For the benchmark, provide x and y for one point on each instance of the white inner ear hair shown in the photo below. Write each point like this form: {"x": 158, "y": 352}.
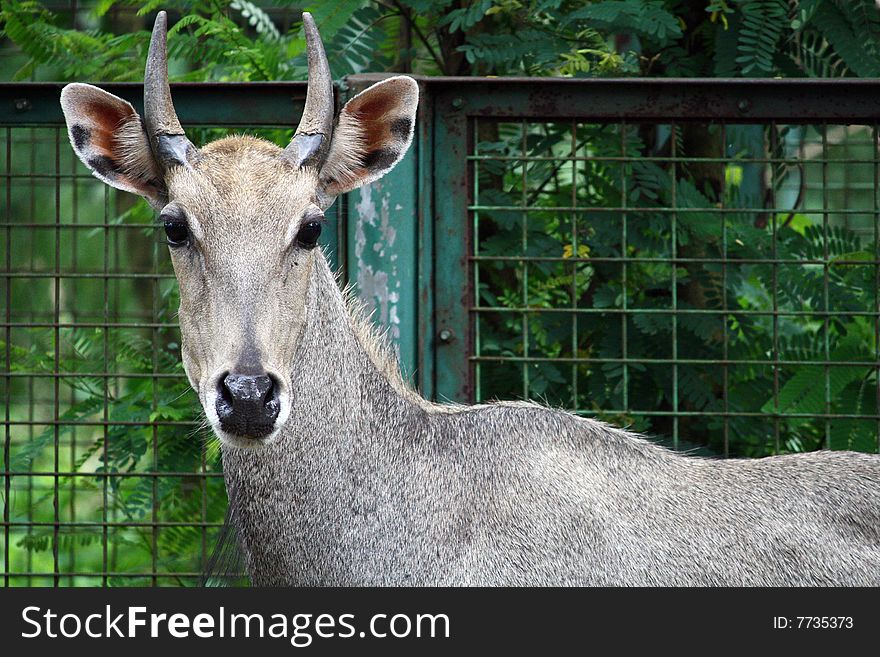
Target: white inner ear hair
{"x": 133, "y": 154}
{"x": 341, "y": 170}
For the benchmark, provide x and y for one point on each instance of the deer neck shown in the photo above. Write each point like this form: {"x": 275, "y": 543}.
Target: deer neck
{"x": 349, "y": 418}
{"x": 341, "y": 363}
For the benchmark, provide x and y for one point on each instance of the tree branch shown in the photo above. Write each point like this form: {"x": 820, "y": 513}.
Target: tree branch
{"x": 415, "y": 28}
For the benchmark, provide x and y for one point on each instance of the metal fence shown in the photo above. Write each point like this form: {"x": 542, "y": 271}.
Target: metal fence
{"x": 697, "y": 259}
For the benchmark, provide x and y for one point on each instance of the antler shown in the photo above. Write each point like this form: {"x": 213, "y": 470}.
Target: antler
{"x": 167, "y": 139}
{"x": 311, "y": 142}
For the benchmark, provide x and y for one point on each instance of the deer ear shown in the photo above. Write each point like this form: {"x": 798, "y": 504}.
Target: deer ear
{"x": 374, "y": 131}
{"x": 109, "y": 137}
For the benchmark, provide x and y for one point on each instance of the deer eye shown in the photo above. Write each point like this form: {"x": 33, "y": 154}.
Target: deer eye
{"x": 176, "y": 231}
{"x": 308, "y": 234}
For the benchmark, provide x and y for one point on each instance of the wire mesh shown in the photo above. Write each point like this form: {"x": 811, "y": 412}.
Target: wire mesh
{"x": 712, "y": 284}
{"x": 109, "y": 476}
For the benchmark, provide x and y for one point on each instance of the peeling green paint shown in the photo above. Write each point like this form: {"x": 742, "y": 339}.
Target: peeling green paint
{"x": 382, "y": 256}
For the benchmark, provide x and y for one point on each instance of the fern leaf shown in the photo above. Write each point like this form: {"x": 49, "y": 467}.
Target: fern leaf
{"x": 762, "y": 24}
{"x": 332, "y": 16}
{"x": 465, "y": 18}
{"x": 356, "y": 47}
{"x": 646, "y": 18}
{"x": 805, "y": 391}
{"x": 815, "y": 57}
{"x": 147, "y": 7}
{"x": 860, "y": 55}
{"x": 258, "y": 19}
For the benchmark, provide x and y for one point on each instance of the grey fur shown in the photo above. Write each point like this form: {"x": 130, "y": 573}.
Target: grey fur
{"x": 366, "y": 485}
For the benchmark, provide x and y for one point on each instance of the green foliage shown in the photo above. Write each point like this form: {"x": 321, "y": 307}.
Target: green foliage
{"x": 148, "y": 430}
{"x": 358, "y": 47}
{"x": 815, "y": 56}
{"x": 242, "y": 40}
{"x": 647, "y": 18}
{"x": 74, "y": 54}
{"x": 823, "y": 38}
{"x": 701, "y": 329}
{"x": 853, "y": 34}
{"x": 762, "y": 24}
{"x": 465, "y": 18}
{"x": 529, "y": 48}
{"x": 258, "y": 19}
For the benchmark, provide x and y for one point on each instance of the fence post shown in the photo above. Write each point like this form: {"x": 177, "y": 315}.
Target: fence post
{"x": 452, "y": 245}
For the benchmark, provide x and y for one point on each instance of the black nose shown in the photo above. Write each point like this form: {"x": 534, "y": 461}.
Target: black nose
{"x": 247, "y": 405}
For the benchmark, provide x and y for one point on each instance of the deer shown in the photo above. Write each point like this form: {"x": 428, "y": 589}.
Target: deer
{"x": 338, "y": 473}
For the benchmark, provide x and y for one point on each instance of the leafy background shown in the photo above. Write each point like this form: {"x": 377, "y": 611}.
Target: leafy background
{"x": 111, "y": 429}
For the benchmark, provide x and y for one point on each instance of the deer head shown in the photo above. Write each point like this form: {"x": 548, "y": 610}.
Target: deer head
{"x": 242, "y": 219}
